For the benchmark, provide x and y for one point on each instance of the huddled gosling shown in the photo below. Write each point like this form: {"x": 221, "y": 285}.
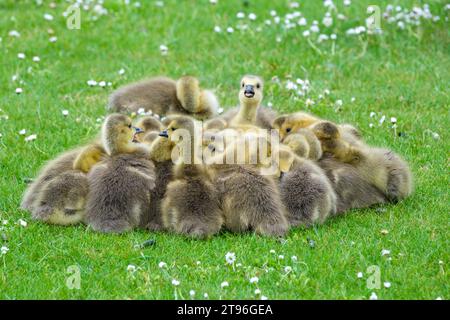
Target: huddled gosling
{"x": 250, "y": 111}
{"x": 190, "y": 205}
{"x": 305, "y": 190}
{"x": 58, "y": 194}
{"x": 120, "y": 186}
{"x": 165, "y": 96}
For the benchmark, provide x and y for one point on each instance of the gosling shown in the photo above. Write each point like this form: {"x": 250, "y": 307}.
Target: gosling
{"x": 120, "y": 186}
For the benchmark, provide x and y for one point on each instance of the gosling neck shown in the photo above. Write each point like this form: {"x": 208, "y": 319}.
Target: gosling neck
{"x": 247, "y": 111}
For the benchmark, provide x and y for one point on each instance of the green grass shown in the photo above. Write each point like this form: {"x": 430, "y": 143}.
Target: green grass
{"x": 402, "y": 74}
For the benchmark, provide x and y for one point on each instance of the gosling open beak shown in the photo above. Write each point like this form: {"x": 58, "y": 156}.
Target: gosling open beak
{"x": 249, "y": 91}
{"x": 164, "y": 134}
{"x": 137, "y": 131}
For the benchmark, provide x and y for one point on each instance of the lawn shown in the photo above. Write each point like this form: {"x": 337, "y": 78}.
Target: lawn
{"x": 355, "y": 78}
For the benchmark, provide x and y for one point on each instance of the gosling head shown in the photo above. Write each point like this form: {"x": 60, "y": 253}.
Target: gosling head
{"x": 117, "y": 133}
{"x": 287, "y": 124}
{"x": 251, "y": 92}
{"x": 149, "y": 126}
{"x": 186, "y": 123}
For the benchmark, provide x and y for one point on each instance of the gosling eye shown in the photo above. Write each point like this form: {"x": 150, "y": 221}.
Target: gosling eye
{"x": 258, "y": 85}
{"x": 288, "y": 130}
{"x": 173, "y": 129}
{"x": 129, "y": 126}
{"x": 243, "y": 84}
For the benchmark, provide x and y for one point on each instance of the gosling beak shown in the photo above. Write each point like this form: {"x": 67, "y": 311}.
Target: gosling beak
{"x": 138, "y": 130}
{"x": 164, "y": 134}
{"x": 249, "y": 91}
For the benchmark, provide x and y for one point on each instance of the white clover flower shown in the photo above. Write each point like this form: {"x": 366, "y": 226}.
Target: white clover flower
{"x": 314, "y": 28}
{"x": 192, "y": 293}
{"x": 14, "y": 33}
{"x": 36, "y": 59}
{"x": 21, "y": 55}
{"x": 333, "y": 36}
{"x": 65, "y": 113}
{"x": 435, "y": 136}
{"x": 252, "y": 16}
{"x": 273, "y": 13}
{"x": 240, "y": 15}
{"x": 238, "y": 265}
{"x": 272, "y": 251}
{"x": 230, "y": 257}
{"x": 372, "y": 114}
{"x": 224, "y": 284}
{"x": 280, "y": 257}
{"x": 217, "y": 29}
{"x": 4, "y": 250}
{"x": 92, "y": 83}
{"x": 48, "y": 17}
{"x": 121, "y": 71}
{"x": 339, "y": 103}
{"x": 373, "y": 296}
{"x": 383, "y": 118}
{"x": 131, "y": 268}
{"x": 439, "y": 298}
{"x": 328, "y": 4}
{"x": 162, "y": 264}
{"x": 254, "y": 280}
{"x": 322, "y": 37}
{"x": 19, "y": 90}
{"x": 175, "y": 282}
{"x": 22, "y": 132}
{"x": 326, "y": 92}
{"x": 205, "y": 295}
{"x": 309, "y": 102}
{"x": 102, "y": 84}
{"x": 294, "y": 258}
{"x": 257, "y": 292}
{"x": 387, "y": 284}
{"x": 359, "y": 275}
{"x": 53, "y": 39}
{"x": 163, "y": 49}
{"x": 291, "y": 85}
{"x": 264, "y": 298}
{"x": 327, "y": 21}
{"x": 393, "y": 120}
{"x": 302, "y": 22}
{"x": 230, "y": 30}
{"x": 30, "y": 138}
{"x": 347, "y": 2}
{"x": 198, "y": 263}
{"x": 287, "y": 269}
{"x": 306, "y": 33}
{"x": 213, "y": 1}
{"x": 159, "y": 3}
{"x": 385, "y": 252}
